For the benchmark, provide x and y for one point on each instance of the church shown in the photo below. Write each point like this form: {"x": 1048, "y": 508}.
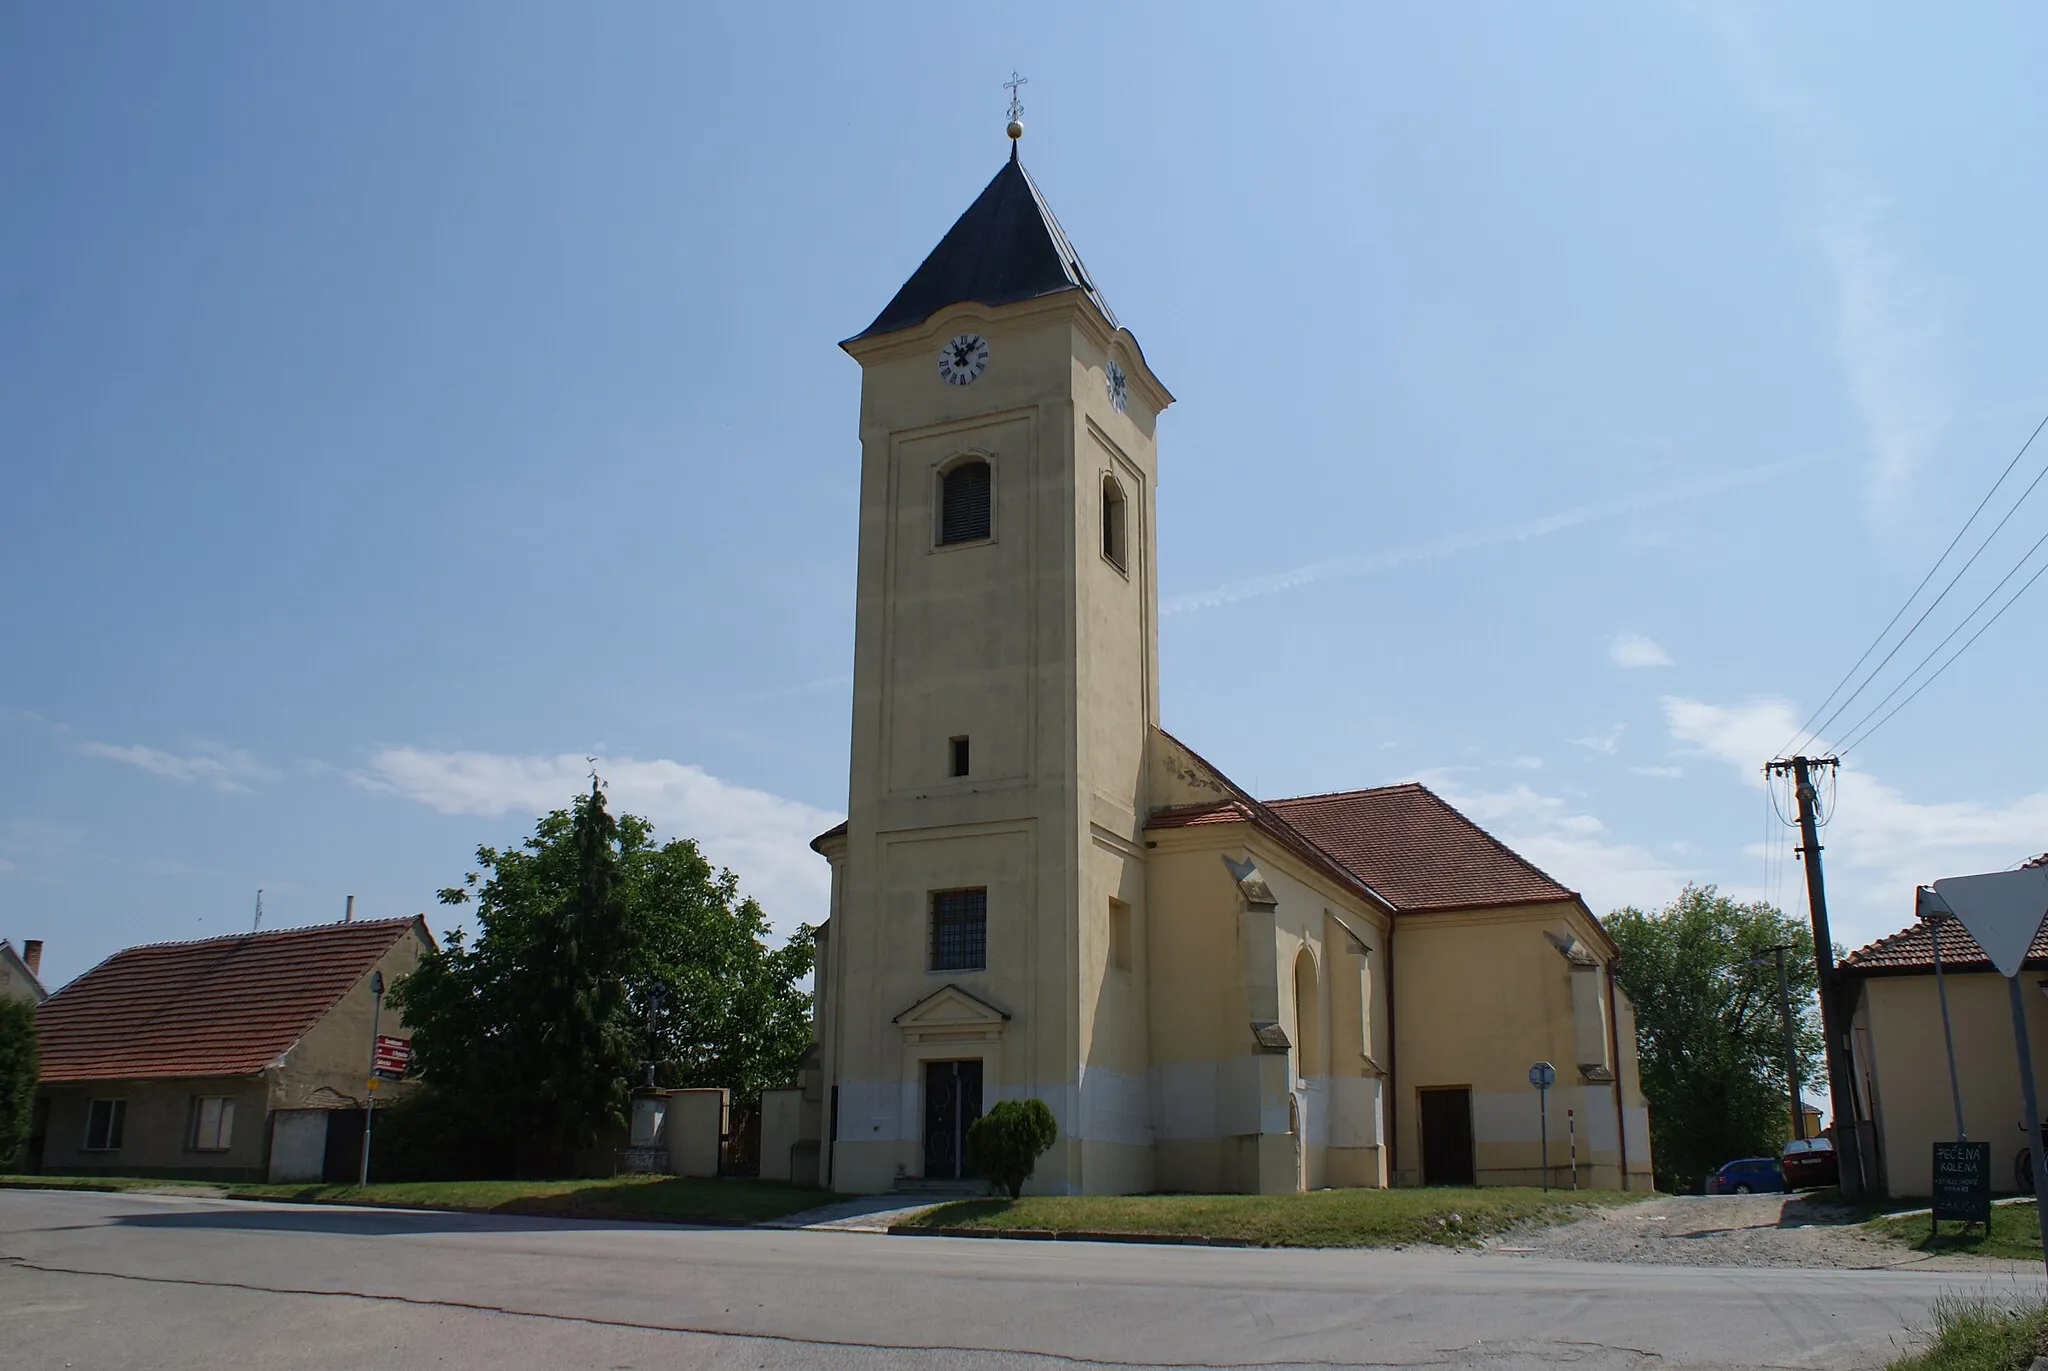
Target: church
{"x": 1038, "y": 891}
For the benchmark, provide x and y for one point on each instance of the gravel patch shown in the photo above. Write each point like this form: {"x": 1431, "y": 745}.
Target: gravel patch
{"x": 1729, "y": 1230}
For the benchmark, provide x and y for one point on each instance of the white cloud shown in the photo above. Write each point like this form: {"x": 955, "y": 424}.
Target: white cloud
{"x": 763, "y": 837}
{"x": 1880, "y": 843}
{"x": 1633, "y": 650}
{"x": 225, "y": 769}
{"x": 1605, "y": 743}
{"x": 1891, "y": 329}
{"x": 1664, "y": 772}
{"x": 1543, "y": 526}
{"x": 1575, "y": 847}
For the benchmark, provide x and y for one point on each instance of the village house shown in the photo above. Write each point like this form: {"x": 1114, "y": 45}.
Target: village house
{"x": 1038, "y": 891}
{"x": 237, "y": 1058}
{"x": 21, "y": 972}
{"x": 1900, "y": 1060}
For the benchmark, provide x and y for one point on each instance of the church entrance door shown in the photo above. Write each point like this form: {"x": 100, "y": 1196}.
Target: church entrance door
{"x": 1447, "y": 1136}
{"x": 952, "y": 1101}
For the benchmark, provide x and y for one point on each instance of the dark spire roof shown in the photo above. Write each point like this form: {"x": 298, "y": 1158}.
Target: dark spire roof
{"x": 1006, "y": 248}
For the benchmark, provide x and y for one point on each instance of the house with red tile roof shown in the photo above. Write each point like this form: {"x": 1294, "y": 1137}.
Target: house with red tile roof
{"x": 1039, "y": 892}
{"x": 236, "y": 1058}
{"x": 21, "y": 972}
{"x": 1900, "y": 1056}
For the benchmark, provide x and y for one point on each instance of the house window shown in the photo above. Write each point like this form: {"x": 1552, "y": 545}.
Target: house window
{"x": 964, "y": 503}
{"x": 1119, "y": 935}
{"x": 103, "y": 1123}
{"x": 213, "y": 1123}
{"x": 959, "y": 930}
{"x": 957, "y": 748}
{"x": 1114, "y": 523}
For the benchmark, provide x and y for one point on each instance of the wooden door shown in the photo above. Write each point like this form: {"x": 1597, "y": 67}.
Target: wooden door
{"x": 1447, "y": 1136}
{"x": 952, "y": 1101}
{"x": 342, "y": 1163}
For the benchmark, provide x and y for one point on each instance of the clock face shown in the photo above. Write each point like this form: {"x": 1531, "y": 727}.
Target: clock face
{"x": 1119, "y": 386}
{"x": 963, "y": 359}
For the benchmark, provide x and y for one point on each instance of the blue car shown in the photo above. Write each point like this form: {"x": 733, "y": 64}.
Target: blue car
{"x": 1746, "y": 1175}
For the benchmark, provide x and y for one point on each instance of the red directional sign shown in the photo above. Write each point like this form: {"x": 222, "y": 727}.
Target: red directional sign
{"x": 393, "y": 1055}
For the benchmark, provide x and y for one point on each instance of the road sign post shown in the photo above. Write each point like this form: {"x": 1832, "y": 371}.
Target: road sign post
{"x": 1542, "y": 1075}
{"x": 370, "y": 1104}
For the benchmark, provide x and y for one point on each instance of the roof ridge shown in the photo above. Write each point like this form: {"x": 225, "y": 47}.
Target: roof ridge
{"x": 1347, "y": 794}
{"x": 265, "y": 933}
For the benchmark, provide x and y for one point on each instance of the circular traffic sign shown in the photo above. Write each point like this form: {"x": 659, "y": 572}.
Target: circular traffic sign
{"x": 1542, "y": 1074}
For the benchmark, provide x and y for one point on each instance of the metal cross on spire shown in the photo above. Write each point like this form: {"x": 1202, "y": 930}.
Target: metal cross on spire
{"x": 1016, "y": 128}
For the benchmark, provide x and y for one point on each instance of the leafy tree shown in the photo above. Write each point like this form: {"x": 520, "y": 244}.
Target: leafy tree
{"x": 1708, "y": 1028}
{"x": 19, "y": 1070}
{"x": 1004, "y": 1145}
{"x": 590, "y": 937}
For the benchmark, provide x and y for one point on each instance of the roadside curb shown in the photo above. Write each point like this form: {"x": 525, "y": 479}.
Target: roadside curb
{"x": 905, "y": 1230}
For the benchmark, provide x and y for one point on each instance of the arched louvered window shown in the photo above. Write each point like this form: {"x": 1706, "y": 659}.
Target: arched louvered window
{"x": 1114, "y": 523}
{"x": 964, "y": 503}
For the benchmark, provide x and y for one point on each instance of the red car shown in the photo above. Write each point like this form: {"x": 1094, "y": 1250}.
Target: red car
{"x": 1808, "y": 1162}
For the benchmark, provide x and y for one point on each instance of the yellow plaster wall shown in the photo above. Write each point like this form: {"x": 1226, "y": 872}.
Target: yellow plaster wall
{"x": 1481, "y": 996}
{"x": 1900, "y": 1056}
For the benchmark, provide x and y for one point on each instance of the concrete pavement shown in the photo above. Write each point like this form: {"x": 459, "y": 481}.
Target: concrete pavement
{"x": 98, "y": 1280}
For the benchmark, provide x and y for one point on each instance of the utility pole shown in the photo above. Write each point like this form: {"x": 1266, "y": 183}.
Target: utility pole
{"x": 1791, "y": 1047}
{"x": 1841, "y": 1084}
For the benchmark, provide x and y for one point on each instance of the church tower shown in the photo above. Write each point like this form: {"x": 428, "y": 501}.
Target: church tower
{"x": 987, "y": 938}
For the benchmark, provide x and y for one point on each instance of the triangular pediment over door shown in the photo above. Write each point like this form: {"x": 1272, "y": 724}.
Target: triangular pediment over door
{"x": 950, "y": 1012}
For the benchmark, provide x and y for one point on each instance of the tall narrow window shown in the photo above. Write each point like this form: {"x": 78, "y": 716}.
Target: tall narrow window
{"x": 957, "y": 747}
{"x": 964, "y": 503}
{"x": 1114, "y": 523}
{"x": 959, "y": 930}
{"x": 103, "y": 1125}
{"x": 1119, "y": 935}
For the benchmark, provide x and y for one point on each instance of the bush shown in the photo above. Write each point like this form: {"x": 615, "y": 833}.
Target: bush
{"x": 19, "y": 1070}
{"x": 1004, "y": 1144}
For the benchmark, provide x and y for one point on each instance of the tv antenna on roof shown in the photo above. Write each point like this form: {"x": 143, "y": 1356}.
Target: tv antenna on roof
{"x": 259, "y": 911}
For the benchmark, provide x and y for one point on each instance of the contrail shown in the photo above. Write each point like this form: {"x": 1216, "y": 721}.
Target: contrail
{"x": 1576, "y": 517}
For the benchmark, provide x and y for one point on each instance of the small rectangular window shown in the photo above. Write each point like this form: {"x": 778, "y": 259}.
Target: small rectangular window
{"x": 1119, "y": 935}
{"x": 958, "y": 750}
{"x": 213, "y": 1123}
{"x": 103, "y": 1124}
{"x": 959, "y": 930}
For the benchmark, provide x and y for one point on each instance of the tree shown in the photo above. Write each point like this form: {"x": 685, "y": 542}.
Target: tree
{"x": 1004, "y": 1145}
{"x": 19, "y": 1070}
{"x": 529, "y": 1038}
{"x": 1708, "y": 1029}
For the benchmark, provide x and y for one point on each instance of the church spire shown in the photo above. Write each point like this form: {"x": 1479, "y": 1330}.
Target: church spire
{"x": 1007, "y": 247}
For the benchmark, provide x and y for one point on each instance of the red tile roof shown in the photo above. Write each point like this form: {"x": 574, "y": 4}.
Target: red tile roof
{"x": 220, "y": 1007}
{"x": 1912, "y": 949}
{"x": 1416, "y": 850}
{"x": 1400, "y": 844}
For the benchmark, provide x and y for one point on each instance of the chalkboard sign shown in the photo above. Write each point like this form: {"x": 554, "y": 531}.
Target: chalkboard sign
{"x": 1962, "y": 1181}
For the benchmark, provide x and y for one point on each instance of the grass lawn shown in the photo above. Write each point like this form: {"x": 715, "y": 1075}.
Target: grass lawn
{"x": 2015, "y": 1232}
{"x": 670, "y": 1199}
{"x": 1322, "y": 1218}
{"x": 1981, "y": 1335}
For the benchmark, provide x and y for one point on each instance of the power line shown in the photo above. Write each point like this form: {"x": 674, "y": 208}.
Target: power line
{"x": 1964, "y": 623}
{"x": 1854, "y": 741}
{"x": 1936, "y": 602}
{"x": 1807, "y": 731}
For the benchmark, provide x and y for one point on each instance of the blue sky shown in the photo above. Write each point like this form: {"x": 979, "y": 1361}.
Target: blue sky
{"x": 399, "y": 404}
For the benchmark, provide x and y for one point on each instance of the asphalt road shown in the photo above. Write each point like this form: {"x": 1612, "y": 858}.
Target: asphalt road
{"x": 132, "y": 1282}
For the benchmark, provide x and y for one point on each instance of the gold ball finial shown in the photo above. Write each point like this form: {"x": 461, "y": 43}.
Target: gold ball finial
{"x": 1016, "y": 129}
